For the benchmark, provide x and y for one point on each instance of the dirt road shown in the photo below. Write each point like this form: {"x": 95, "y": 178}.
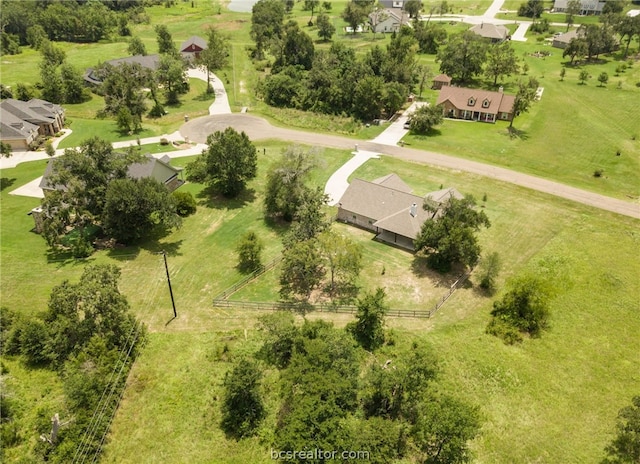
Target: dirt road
{"x": 259, "y": 129}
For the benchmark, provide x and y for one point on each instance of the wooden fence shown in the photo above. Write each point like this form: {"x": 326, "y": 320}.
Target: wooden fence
{"x": 254, "y": 275}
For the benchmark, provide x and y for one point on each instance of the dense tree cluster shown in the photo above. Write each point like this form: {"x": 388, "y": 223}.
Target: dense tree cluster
{"x": 334, "y": 398}
{"x": 625, "y": 447}
{"x": 87, "y": 335}
{"x": 71, "y": 21}
{"x": 95, "y": 190}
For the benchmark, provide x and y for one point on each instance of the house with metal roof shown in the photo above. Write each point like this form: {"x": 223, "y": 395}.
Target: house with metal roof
{"x": 387, "y": 207}
{"x": 475, "y": 104}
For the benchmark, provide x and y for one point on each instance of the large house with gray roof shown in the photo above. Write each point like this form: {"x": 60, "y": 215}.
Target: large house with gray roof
{"x": 22, "y": 122}
{"x": 387, "y": 207}
{"x": 587, "y": 7}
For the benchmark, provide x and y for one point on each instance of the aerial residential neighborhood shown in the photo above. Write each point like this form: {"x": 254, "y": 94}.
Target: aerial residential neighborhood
{"x": 315, "y": 231}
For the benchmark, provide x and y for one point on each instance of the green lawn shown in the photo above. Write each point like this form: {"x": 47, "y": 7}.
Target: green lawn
{"x": 551, "y": 399}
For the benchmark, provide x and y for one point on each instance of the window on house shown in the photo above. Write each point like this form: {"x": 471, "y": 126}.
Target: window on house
{"x": 472, "y": 101}
{"x": 485, "y": 103}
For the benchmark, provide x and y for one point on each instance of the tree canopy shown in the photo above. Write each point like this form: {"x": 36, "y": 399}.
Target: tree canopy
{"x": 450, "y": 237}
{"x": 368, "y": 329}
{"x": 227, "y": 164}
{"x": 625, "y": 447}
{"x": 463, "y": 56}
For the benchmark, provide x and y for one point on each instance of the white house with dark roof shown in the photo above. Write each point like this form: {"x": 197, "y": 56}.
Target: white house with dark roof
{"x": 387, "y": 207}
{"x": 388, "y": 20}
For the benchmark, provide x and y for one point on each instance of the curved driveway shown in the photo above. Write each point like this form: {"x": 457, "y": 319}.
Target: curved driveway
{"x": 259, "y": 129}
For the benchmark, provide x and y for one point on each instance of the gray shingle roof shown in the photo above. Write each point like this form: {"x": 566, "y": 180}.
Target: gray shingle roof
{"x": 490, "y": 31}
{"x": 12, "y": 127}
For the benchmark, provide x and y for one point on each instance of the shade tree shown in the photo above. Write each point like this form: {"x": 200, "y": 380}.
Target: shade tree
{"x": 501, "y": 61}
{"x": 368, "y": 328}
{"x": 625, "y": 446}
{"x": 267, "y": 17}
{"x": 463, "y": 56}
{"x": 249, "y": 249}
{"x": 216, "y": 55}
{"x": 227, "y": 164}
{"x": 451, "y": 236}
{"x": 326, "y": 29}
{"x": 524, "y": 98}
{"x": 242, "y": 406}
{"x": 424, "y": 118}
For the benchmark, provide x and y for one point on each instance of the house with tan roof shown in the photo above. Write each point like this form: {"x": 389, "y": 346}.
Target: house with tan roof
{"x": 491, "y": 32}
{"x": 562, "y": 41}
{"x": 387, "y": 207}
{"x": 476, "y": 104}
{"x": 441, "y": 80}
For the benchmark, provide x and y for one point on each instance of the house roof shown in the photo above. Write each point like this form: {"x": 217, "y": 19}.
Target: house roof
{"x": 12, "y": 127}
{"x": 146, "y": 61}
{"x": 397, "y": 211}
{"x": 568, "y": 36}
{"x": 590, "y": 5}
{"x": 159, "y": 169}
{"x": 396, "y": 15}
{"x": 35, "y": 111}
{"x": 442, "y": 78}
{"x": 473, "y": 99}
{"x": 194, "y": 40}
{"x": 393, "y": 181}
{"x": 490, "y": 31}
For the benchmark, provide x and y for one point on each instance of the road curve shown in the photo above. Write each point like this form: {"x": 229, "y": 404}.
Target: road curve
{"x": 259, "y": 129}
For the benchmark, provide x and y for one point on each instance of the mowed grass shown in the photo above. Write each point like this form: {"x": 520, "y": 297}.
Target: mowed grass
{"x": 552, "y": 399}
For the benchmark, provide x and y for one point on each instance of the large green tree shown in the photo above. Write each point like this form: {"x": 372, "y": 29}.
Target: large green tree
{"x": 524, "y": 98}
{"x": 123, "y": 88}
{"x": 135, "y": 207}
{"x": 326, "y": 29}
{"x": 166, "y": 46}
{"x": 625, "y": 447}
{"x": 227, "y": 164}
{"x": 266, "y": 24}
{"x": 425, "y": 117}
{"x": 302, "y": 271}
{"x": 171, "y": 73}
{"x": 242, "y": 405}
{"x": 249, "y": 249}
{"x": 216, "y": 55}
{"x": 136, "y": 46}
{"x": 286, "y": 181}
{"x": 368, "y": 328}
{"x": 501, "y": 61}
{"x": 356, "y": 12}
{"x": 295, "y": 48}
{"x": 343, "y": 263}
{"x": 450, "y": 236}
{"x": 463, "y": 56}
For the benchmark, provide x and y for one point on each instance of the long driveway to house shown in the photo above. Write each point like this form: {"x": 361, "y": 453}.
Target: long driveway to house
{"x": 259, "y": 129}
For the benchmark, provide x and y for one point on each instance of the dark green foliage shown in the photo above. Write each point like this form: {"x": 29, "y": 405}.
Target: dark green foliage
{"x": 443, "y": 428}
{"x": 501, "y": 61}
{"x": 33, "y": 341}
{"x": 302, "y": 270}
{"x": 286, "y": 179}
{"x": 430, "y": 36}
{"x": 355, "y": 13}
{"x": 227, "y": 164}
{"x": 74, "y": 90}
{"x": 319, "y": 388}
{"x": 625, "y": 447}
{"x": 242, "y": 407}
{"x": 35, "y": 36}
{"x": 463, "y": 56}
{"x": 531, "y": 9}
{"x": 172, "y": 75}
{"x": 282, "y": 89}
{"x": 424, "y": 118}
{"x": 185, "y": 203}
{"x": 310, "y": 219}
{"x": 135, "y": 207}
{"x": 122, "y": 88}
{"x": 603, "y": 78}
{"x": 136, "y": 46}
{"x": 524, "y": 307}
{"x": 165, "y": 41}
{"x": 216, "y": 55}
{"x": 451, "y": 237}
{"x": 5, "y": 92}
{"x": 249, "y": 249}
{"x": 488, "y": 272}
{"x": 279, "y": 336}
{"x": 383, "y": 439}
{"x": 343, "y": 263}
{"x": 9, "y": 44}
{"x": 368, "y": 329}
{"x": 326, "y": 29}
{"x": 266, "y": 24}
{"x": 296, "y": 49}
{"x": 369, "y": 94}
{"x": 92, "y": 307}
{"x": 5, "y": 150}
{"x": 540, "y": 27}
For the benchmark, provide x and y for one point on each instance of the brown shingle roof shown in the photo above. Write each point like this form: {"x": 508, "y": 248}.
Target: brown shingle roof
{"x": 195, "y": 40}
{"x": 473, "y": 99}
{"x": 442, "y": 78}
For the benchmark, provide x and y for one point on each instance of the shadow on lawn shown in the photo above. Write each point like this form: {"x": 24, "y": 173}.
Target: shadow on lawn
{"x": 421, "y": 269}
{"x": 514, "y": 133}
{"x": 211, "y": 199}
{"x": 6, "y": 182}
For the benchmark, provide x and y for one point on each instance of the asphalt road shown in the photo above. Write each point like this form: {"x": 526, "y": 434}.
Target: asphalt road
{"x": 259, "y": 129}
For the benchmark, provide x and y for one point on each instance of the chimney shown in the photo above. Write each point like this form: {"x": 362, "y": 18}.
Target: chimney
{"x": 413, "y": 211}
{"x": 501, "y": 89}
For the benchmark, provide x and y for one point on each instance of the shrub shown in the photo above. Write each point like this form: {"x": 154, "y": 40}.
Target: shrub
{"x": 82, "y": 248}
{"x": 598, "y": 173}
{"x": 501, "y": 329}
{"x": 164, "y": 141}
{"x": 185, "y": 203}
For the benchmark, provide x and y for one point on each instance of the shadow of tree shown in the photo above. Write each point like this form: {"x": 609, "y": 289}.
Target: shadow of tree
{"x": 515, "y": 133}
{"x": 209, "y": 198}
{"x": 277, "y": 225}
{"x": 5, "y": 182}
{"x": 420, "y": 268}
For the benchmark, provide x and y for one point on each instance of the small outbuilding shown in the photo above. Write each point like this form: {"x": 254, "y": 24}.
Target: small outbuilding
{"x": 441, "y": 80}
{"x": 191, "y": 48}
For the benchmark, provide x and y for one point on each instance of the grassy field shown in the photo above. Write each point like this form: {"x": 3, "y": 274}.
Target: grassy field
{"x": 553, "y": 397}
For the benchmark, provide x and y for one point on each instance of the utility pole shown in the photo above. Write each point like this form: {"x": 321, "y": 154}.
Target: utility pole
{"x": 166, "y": 267}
